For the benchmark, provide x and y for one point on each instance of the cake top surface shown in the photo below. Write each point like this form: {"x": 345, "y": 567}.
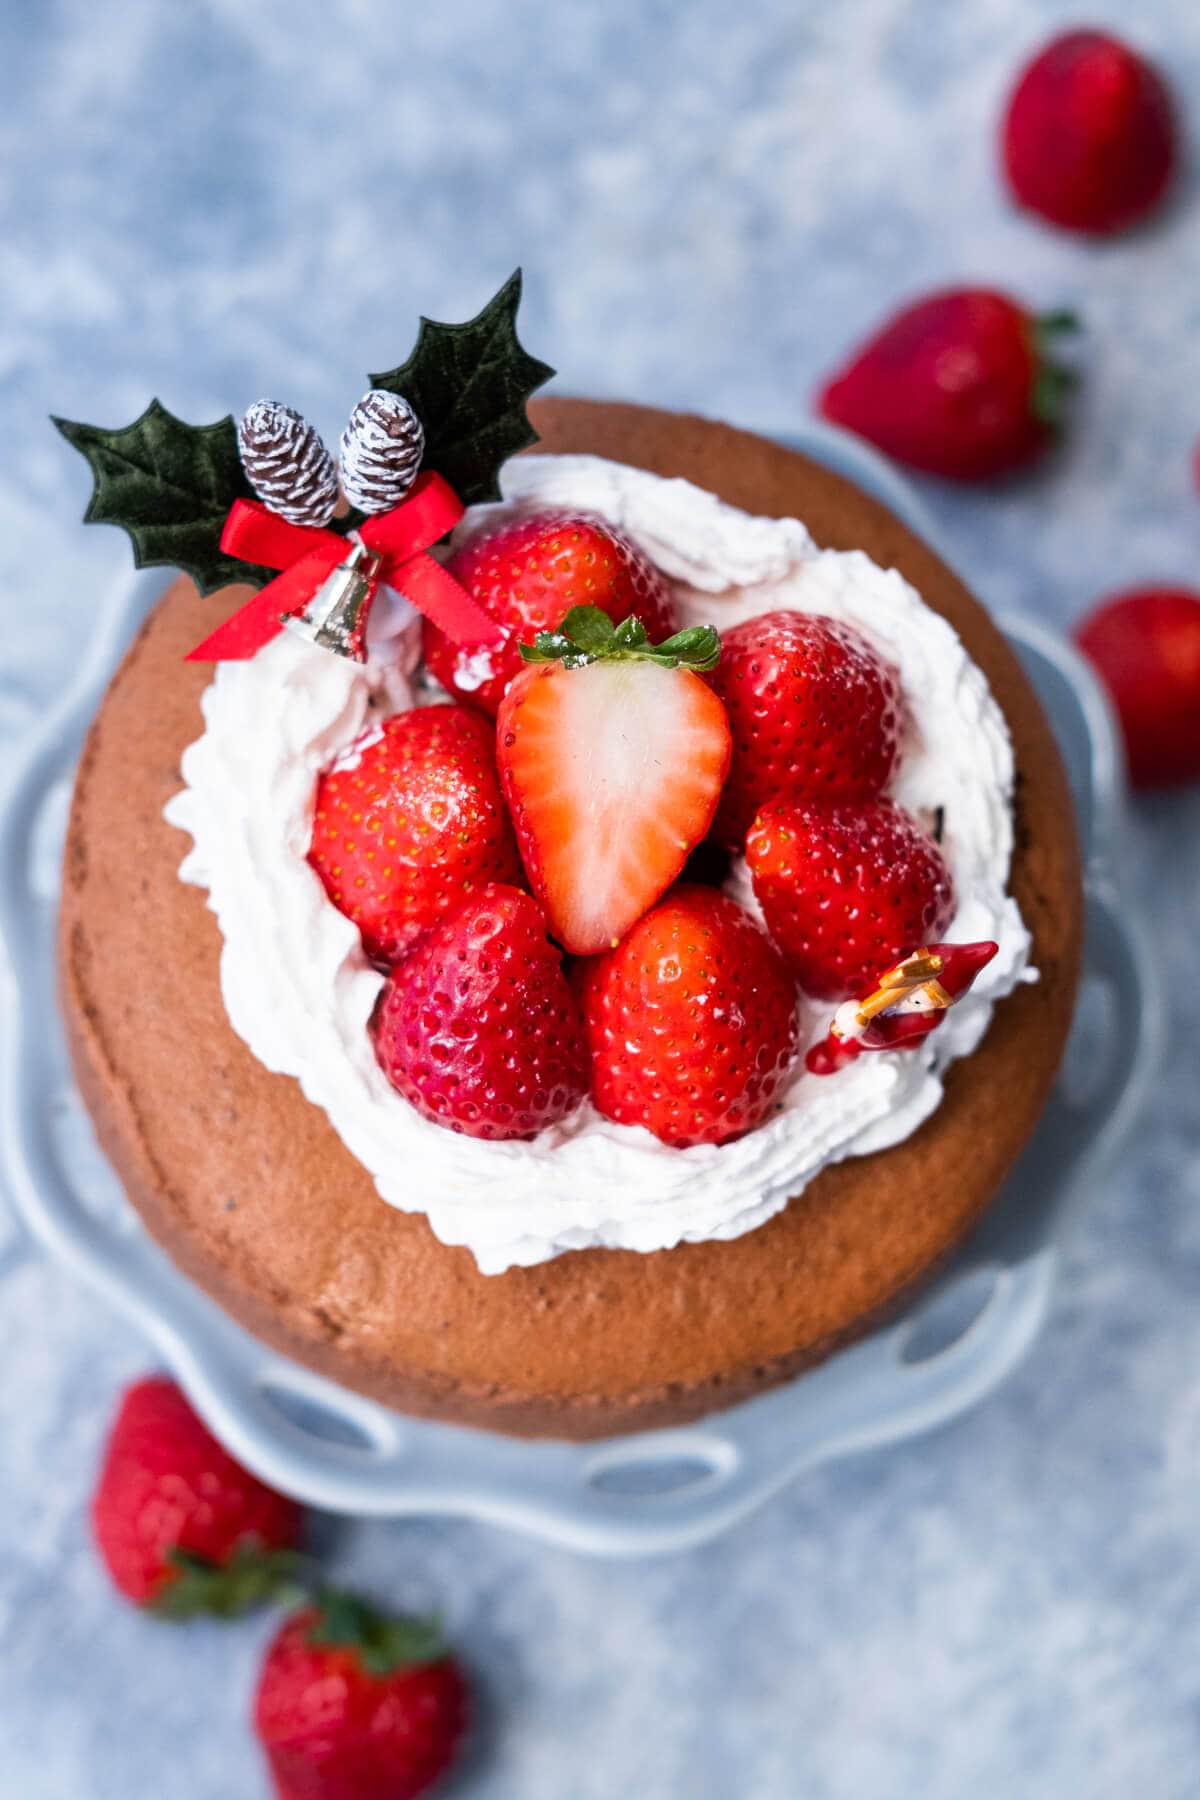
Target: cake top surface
{"x": 710, "y": 906}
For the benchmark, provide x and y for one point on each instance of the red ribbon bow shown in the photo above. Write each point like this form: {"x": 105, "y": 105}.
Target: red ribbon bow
{"x": 308, "y": 553}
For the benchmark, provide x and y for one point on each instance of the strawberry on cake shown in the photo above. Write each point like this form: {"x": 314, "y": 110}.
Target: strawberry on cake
{"x": 628, "y": 922}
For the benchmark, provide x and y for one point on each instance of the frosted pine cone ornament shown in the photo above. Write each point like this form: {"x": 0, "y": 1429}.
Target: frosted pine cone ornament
{"x": 381, "y": 451}
{"x": 287, "y": 463}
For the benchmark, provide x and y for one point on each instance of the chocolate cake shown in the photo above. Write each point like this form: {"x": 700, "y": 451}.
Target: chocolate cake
{"x": 250, "y": 1190}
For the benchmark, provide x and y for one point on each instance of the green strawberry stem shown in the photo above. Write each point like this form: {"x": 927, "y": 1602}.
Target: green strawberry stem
{"x": 1052, "y": 382}
{"x": 384, "y": 1641}
{"x": 253, "y": 1577}
{"x": 1053, "y": 324}
{"x": 250, "y": 1577}
{"x": 588, "y": 635}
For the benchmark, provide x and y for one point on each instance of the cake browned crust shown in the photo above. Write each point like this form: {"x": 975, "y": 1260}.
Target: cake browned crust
{"x": 252, "y": 1193}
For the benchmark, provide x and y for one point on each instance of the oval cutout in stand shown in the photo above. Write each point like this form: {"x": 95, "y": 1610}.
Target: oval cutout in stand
{"x": 317, "y": 1419}
{"x": 948, "y": 1317}
{"x": 638, "y": 1472}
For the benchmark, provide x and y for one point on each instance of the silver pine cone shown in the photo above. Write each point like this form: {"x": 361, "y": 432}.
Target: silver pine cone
{"x": 382, "y": 447}
{"x": 289, "y": 467}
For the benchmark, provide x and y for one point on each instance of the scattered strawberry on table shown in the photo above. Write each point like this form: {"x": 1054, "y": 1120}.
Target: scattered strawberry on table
{"x": 355, "y": 1704}
{"x": 410, "y": 819}
{"x": 477, "y": 1027}
{"x": 815, "y": 713}
{"x": 846, "y": 889}
{"x": 1145, "y": 645}
{"x": 1089, "y": 139}
{"x": 182, "y": 1528}
{"x": 691, "y": 1021}
{"x": 960, "y": 384}
{"x": 612, "y": 752}
{"x": 527, "y": 576}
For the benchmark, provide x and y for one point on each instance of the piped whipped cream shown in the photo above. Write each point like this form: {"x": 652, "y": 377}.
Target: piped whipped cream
{"x": 299, "y": 990}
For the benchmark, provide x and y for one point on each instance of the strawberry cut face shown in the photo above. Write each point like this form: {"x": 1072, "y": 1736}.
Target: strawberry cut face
{"x": 612, "y": 773}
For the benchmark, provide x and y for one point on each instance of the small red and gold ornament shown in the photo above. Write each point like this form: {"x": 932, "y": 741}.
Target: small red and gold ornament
{"x": 908, "y": 1002}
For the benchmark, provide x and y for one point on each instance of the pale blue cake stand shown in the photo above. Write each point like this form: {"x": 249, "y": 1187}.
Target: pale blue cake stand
{"x": 633, "y": 1495}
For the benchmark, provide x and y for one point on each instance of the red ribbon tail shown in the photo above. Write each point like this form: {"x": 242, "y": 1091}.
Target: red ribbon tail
{"x": 244, "y": 634}
{"x": 435, "y": 592}
{"x": 306, "y": 554}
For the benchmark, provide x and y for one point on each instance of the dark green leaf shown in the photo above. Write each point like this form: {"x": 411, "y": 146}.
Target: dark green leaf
{"x": 384, "y": 1641}
{"x": 630, "y": 634}
{"x": 588, "y": 626}
{"x": 169, "y": 485}
{"x": 587, "y": 635}
{"x": 547, "y": 646}
{"x": 468, "y": 385}
{"x": 250, "y": 1577}
{"x": 698, "y": 647}
{"x": 1053, "y": 324}
{"x": 696, "y": 640}
{"x": 1051, "y": 387}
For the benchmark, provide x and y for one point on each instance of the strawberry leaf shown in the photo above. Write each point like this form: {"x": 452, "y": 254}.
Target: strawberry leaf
{"x": 250, "y": 1577}
{"x": 384, "y": 1641}
{"x": 169, "y": 485}
{"x": 591, "y": 628}
{"x": 1053, "y": 382}
{"x": 587, "y": 635}
{"x": 1052, "y": 387}
{"x": 468, "y": 384}
{"x": 1050, "y": 325}
{"x": 698, "y": 647}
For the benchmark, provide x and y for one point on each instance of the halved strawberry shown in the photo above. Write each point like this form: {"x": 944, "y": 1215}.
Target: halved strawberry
{"x": 612, "y": 754}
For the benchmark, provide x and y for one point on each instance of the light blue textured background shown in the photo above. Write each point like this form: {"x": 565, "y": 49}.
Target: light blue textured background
{"x": 215, "y": 200}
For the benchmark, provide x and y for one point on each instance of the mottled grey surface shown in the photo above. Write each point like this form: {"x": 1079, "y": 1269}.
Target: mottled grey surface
{"x": 223, "y": 199}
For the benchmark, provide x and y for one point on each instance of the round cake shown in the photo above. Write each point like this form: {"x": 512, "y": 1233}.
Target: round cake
{"x": 251, "y": 1190}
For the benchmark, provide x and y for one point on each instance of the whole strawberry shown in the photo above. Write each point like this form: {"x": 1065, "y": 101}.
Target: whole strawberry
{"x": 815, "y": 713}
{"x": 355, "y": 1705}
{"x": 1145, "y": 645}
{"x": 181, "y": 1526}
{"x": 847, "y": 890}
{"x": 409, "y": 820}
{"x": 612, "y": 751}
{"x": 1089, "y": 136}
{"x": 691, "y": 1021}
{"x": 527, "y": 576}
{"x": 477, "y": 1027}
{"x": 958, "y": 384}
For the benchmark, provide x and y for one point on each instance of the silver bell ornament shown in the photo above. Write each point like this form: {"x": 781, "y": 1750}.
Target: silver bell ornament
{"x": 336, "y": 616}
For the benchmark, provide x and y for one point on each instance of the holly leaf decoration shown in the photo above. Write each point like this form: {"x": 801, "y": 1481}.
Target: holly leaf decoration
{"x": 468, "y": 384}
{"x": 169, "y": 485}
